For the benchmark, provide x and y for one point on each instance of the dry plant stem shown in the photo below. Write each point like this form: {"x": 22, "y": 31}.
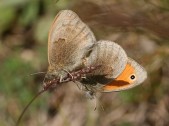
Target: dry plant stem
{"x": 72, "y": 76}
{"x": 27, "y": 106}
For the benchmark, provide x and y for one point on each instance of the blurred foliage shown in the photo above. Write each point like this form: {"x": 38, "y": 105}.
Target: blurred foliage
{"x": 140, "y": 27}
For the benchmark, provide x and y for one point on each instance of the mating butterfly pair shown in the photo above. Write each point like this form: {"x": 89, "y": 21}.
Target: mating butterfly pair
{"x": 72, "y": 46}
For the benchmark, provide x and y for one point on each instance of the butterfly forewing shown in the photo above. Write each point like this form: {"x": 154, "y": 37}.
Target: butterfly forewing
{"x": 68, "y": 43}
{"x": 139, "y": 72}
{"x": 133, "y": 75}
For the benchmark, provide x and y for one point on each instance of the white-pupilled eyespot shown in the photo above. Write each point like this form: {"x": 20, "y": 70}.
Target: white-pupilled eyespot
{"x": 132, "y": 77}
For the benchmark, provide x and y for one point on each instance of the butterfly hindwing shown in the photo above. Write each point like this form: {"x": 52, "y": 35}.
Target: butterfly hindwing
{"x": 110, "y": 56}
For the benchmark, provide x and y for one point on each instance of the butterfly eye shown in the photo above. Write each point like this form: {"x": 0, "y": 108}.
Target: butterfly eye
{"x": 132, "y": 77}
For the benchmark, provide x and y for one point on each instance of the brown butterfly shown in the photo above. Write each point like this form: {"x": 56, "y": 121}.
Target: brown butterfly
{"x": 69, "y": 42}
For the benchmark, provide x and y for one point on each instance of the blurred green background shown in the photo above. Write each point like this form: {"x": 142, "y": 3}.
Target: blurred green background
{"x": 140, "y": 27}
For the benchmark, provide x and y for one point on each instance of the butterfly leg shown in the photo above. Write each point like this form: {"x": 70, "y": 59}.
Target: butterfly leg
{"x": 89, "y": 92}
{"x": 69, "y": 73}
{"x": 79, "y": 85}
{"x": 61, "y": 79}
{"x": 66, "y": 78}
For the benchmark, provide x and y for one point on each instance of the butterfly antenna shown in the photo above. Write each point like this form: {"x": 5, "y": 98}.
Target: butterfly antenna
{"x": 57, "y": 1}
{"x": 95, "y": 104}
{"x": 37, "y": 73}
{"x": 100, "y": 104}
{"x": 27, "y": 106}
